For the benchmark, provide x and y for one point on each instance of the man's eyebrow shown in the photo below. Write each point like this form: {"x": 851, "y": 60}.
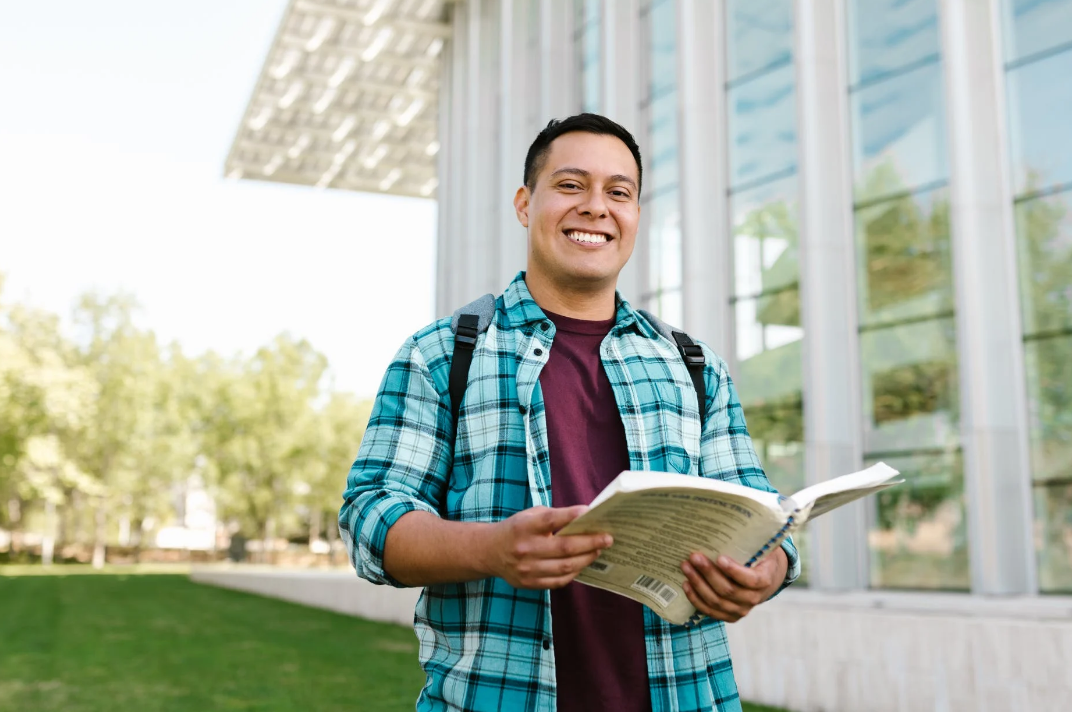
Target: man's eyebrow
{"x": 580, "y": 172}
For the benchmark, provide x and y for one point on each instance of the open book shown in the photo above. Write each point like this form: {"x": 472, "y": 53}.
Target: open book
{"x": 658, "y": 519}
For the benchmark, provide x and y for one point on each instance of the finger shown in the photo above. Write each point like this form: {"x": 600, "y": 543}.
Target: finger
{"x": 550, "y": 519}
{"x": 553, "y": 568}
{"x": 703, "y": 607}
{"x": 722, "y": 586}
{"x": 742, "y": 576}
{"x": 578, "y": 544}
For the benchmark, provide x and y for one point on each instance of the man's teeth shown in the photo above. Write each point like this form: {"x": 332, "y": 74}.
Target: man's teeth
{"x": 593, "y": 238}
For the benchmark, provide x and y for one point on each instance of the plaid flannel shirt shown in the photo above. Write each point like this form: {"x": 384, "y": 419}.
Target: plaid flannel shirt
{"x": 485, "y": 645}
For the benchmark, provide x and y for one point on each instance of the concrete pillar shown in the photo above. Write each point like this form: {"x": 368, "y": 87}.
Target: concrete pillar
{"x": 993, "y": 418}
{"x": 706, "y": 270}
{"x": 832, "y": 432}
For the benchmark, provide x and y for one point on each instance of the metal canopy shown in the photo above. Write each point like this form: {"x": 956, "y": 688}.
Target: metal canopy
{"x": 347, "y": 98}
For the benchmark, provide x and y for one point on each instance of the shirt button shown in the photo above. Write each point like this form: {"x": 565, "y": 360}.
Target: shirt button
{"x": 538, "y": 352}
{"x": 521, "y": 409}
{"x": 544, "y": 326}
{"x": 546, "y": 644}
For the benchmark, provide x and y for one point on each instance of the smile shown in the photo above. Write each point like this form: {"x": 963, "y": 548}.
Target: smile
{"x": 587, "y": 238}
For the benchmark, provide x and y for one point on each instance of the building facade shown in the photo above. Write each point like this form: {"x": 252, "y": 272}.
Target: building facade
{"x": 866, "y": 207}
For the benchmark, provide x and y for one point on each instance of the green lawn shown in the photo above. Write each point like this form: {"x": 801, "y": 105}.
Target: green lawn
{"x": 159, "y": 642}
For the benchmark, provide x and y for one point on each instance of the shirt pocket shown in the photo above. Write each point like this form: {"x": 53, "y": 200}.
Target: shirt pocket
{"x": 675, "y": 425}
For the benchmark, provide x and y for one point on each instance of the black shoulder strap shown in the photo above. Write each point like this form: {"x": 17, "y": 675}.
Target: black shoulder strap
{"x": 695, "y": 362}
{"x": 467, "y": 323}
{"x": 691, "y": 354}
{"x": 464, "y": 343}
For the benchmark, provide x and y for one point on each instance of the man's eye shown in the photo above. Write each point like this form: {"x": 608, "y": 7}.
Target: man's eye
{"x": 620, "y": 193}
{"x": 570, "y": 186}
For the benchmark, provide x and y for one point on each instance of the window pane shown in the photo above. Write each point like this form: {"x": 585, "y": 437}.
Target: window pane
{"x": 762, "y": 124}
{"x": 903, "y": 258}
{"x": 759, "y": 35}
{"x": 1053, "y": 537}
{"x": 1049, "y": 394}
{"x": 899, "y": 134}
{"x": 1040, "y": 104}
{"x": 1044, "y": 236}
{"x": 663, "y": 40}
{"x": 665, "y": 242}
{"x": 919, "y": 536}
{"x": 910, "y": 387}
{"x": 1033, "y": 26}
{"x": 769, "y": 384}
{"x": 765, "y": 248}
{"x": 587, "y": 18}
{"x": 886, "y": 35}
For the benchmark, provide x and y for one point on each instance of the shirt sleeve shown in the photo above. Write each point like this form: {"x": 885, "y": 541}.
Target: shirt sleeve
{"x": 402, "y": 465}
{"x": 726, "y": 450}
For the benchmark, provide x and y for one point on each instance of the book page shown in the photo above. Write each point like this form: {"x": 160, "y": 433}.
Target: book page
{"x": 656, "y": 529}
{"x": 833, "y": 493}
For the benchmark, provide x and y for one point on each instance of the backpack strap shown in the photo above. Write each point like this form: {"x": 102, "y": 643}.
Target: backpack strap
{"x": 467, "y": 324}
{"x": 691, "y": 354}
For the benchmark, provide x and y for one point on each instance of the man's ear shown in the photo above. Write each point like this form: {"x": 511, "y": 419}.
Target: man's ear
{"x": 521, "y": 205}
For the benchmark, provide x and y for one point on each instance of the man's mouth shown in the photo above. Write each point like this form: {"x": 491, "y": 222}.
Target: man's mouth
{"x": 587, "y": 238}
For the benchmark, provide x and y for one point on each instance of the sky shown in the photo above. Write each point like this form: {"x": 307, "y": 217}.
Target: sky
{"x": 115, "y": 120}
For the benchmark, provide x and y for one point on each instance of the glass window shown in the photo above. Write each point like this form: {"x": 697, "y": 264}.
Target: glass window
{"x": 1034, "y": 26}
{"x": 588, "y": 20}
{"x": 761, "y": 101}
{"x": 759, "y": 34}
{"x": 904, "y": 265}
{"x": 899, "y": 134}
{"x": 909, "y": 386}
{"x": 1040, "y": 108}
{"x": 762, "y": 126}
{"x": 919, "y": 536}
{"x": 888, "y": 35}
{"x": 765, "y": 247}
{"x": 1044, "y": 235}
{"x": 661, "y": 195}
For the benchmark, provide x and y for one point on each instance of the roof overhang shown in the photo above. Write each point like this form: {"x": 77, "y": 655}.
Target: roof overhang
{"x": 347, "y": 98}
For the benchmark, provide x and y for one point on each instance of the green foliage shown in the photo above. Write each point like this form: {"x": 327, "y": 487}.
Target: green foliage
{"x": 107, "y": 420}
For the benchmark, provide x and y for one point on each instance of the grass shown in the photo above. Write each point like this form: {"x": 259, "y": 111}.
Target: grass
{"x": 159, "y": 642}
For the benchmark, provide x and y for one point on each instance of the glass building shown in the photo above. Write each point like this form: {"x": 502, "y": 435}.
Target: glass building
{"x": 865, "y": 206}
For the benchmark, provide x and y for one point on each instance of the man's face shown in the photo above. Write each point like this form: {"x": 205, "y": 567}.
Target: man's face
{"x": 583, "y": 213}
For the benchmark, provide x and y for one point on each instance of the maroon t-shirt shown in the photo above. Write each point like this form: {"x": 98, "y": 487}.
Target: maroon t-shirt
{"x": 600, "y": 660}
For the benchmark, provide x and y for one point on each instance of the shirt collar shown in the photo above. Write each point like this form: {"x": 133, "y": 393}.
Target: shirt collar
{"x": 522, "y": 310}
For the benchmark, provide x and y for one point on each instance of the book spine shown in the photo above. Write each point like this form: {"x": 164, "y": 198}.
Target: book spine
{"x": 774, "y": 541}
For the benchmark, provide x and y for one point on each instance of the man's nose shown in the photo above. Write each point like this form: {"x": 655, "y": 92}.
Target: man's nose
{"x": 594, "y": 204}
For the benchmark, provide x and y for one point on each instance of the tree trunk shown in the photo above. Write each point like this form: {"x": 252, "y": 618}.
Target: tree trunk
{"x": 333, "y": 536}
{"x": 14, "y": 516}
{"x": 314, "y": 526}
{"x": 48, "y": 544}
{"x": 267, "y": 548}
{"x": 99, "y": 537}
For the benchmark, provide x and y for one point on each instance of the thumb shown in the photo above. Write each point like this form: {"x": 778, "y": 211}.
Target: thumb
{"x": 554, "y": 519}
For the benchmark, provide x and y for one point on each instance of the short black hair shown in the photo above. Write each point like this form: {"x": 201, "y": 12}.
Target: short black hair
{"x": 587, "y": 123}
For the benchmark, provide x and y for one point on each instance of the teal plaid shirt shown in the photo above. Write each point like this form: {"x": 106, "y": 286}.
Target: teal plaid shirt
{"x": 485, "y": 645}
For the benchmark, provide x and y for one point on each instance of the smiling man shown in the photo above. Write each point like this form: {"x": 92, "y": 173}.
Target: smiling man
{"x": 568, "y": 387}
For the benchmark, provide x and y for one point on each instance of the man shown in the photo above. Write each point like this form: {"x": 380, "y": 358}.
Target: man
{"x": 568, "y": 387}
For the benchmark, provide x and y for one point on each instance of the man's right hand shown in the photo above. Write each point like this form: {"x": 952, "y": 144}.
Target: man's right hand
{"x": 526, "y": 553}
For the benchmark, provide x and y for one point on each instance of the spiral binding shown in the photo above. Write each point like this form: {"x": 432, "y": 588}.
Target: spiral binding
{"x": 771, "y": 543}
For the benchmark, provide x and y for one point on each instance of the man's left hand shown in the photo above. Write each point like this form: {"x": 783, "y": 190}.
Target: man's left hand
{"x": 726, "y": 590}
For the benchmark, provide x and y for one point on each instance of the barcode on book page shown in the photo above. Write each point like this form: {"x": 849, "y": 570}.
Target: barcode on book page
{"x": 663, "y": 593}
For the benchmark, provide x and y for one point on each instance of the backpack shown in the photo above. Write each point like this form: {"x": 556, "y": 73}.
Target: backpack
{"x": 475, "y": 317}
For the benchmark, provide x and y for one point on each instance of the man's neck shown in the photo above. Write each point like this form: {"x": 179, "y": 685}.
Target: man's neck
{"x": 593, "y": 304}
